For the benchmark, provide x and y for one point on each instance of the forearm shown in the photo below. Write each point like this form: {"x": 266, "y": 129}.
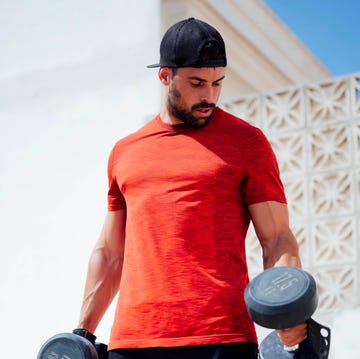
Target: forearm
{"x": 102, "y": 284}
{"x": 104, "y": 271}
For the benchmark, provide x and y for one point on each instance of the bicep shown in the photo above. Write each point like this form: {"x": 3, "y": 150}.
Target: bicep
{"x": 269, "y": 219}
{"x": 112, "y": 238}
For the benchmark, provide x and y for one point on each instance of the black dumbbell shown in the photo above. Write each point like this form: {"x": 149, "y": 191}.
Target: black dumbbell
{"x": 283, "y": 297}
{"x": 71, "y": 346}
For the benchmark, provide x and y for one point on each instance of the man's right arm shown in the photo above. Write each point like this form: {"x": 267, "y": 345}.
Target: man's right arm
{"x": 104, "y": 271}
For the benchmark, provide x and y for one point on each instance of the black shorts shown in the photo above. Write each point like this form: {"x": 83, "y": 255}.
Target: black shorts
{"x": 210, "y": 351}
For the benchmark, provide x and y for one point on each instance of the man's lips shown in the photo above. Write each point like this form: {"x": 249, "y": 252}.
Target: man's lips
{"x": 204, "y": 110}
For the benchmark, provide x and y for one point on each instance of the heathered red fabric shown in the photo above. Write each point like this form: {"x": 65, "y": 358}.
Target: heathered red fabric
{"x": 187, "y": 193}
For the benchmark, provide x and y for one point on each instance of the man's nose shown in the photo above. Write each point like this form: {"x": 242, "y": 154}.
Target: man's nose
{"x": 207, "y": 95}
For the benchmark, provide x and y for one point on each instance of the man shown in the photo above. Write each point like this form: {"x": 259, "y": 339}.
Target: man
{"x": 182, "y": 191}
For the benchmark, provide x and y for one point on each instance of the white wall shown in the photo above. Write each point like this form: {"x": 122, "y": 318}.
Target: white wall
{"x": 73, "y": 80}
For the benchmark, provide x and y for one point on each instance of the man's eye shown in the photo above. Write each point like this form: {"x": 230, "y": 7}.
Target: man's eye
{"x": 196, "y": 84}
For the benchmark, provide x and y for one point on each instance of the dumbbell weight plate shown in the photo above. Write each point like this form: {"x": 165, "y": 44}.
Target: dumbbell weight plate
{"x": 281, "y": 297}
{"x": 67, "y": 346}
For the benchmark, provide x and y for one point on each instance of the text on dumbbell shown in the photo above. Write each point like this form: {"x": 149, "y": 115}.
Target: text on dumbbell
{"x": 280, "y": 283}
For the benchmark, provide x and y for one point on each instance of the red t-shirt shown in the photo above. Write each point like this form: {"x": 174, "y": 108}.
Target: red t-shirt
{"x": 186, "y": 192}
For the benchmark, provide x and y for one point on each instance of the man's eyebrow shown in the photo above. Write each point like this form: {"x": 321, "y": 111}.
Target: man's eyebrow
{"x": 220, "y": 79}
{"x": 203, "y": 80}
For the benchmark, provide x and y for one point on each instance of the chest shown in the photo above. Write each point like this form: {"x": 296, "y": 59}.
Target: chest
{"x": 179, "y": 162}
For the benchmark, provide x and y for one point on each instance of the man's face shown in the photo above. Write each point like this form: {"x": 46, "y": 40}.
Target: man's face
{"x": 193, "y": 94}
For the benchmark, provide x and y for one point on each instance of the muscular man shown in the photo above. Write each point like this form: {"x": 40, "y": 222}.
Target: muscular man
{"x": 182, "y": 192}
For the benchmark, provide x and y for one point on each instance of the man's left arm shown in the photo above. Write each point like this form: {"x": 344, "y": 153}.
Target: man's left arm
{"x": 271, "y": 224}
{"x": 280, "y": 248}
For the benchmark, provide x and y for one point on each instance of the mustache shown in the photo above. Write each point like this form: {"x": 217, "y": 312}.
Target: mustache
{"x": 203, "y": 105}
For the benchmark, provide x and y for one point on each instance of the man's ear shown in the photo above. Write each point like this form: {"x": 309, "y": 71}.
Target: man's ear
{"x": 165, "y": 75}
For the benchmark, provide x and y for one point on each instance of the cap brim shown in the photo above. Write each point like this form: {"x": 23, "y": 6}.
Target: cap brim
{"x": 153, "y": 65}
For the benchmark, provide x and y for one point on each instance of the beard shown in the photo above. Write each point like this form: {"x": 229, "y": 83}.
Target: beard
{"x": 184, "y": 114}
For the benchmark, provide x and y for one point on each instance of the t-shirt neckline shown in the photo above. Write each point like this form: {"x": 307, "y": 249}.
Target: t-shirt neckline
{"x": 182, "y": 127}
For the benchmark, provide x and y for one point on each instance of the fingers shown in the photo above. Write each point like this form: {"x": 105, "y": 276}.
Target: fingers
{"x": 293, "y": 336}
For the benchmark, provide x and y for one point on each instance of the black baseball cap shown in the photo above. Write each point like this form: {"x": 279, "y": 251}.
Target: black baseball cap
{"x": 192, "y": 43}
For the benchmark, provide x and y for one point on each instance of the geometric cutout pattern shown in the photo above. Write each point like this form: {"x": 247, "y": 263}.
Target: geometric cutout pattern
{"x": 283, "y": 111}
{"x": 333, "y": 241}
{"x": 337, "y": 287}
{"x": 330, "y": 147}
{"x": 355, "y": 94}
{"x": 290, "y": 151}
{"x": 331, "y": 194}
{"x": 246, "y": 108}
{"x": 328, "y": 101}
{"x": 357, "y": 142}
{"x": 295, "y": 190}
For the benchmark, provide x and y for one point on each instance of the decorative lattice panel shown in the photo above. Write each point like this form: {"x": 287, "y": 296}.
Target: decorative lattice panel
{"x": 315, "y": 133}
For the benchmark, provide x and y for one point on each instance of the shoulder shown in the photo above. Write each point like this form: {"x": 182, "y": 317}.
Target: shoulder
{"x": 236, "y": 122}
{"x": 239, "y": 127}
{"x": 134, "y": 137}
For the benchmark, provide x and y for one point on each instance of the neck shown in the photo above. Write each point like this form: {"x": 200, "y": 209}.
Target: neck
{"x": 166, "y": 117}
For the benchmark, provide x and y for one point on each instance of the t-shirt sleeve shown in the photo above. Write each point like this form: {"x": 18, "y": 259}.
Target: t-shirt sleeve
{"x": 262, "y": 180}
{"x": 116, "y": 199}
